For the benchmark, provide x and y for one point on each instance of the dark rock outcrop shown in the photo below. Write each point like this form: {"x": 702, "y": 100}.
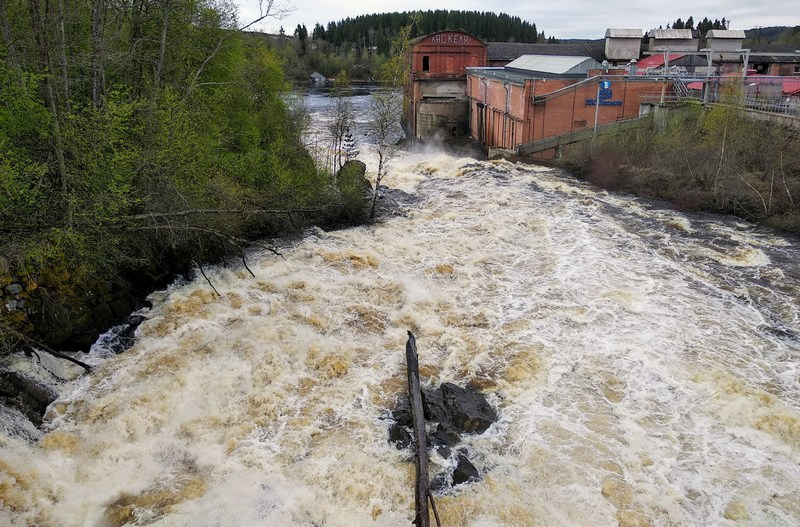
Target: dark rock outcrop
{"x": 26, "y": 395}
{"x": 456, "y": 411}
{"x": 465, "y": 410}
{"x": 465, "y": 471}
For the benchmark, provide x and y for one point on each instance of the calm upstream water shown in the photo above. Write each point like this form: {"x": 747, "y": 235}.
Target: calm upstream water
{"x": 644, "y": 364}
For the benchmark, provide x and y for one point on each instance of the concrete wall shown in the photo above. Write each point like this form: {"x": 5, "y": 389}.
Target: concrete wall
{"x": 623, "y": 49}
{"x": 447, "y": 89}
{"x": 441, "y": 119}
{"x": 725, "y": 44}
{"x": 673, "y": 45}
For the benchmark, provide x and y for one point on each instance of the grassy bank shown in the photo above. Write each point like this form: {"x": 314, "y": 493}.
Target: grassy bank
{"x": 716, "y": 160}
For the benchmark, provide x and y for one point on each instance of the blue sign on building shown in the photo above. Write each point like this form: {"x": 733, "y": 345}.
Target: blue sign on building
{"x": 605, "y": 96}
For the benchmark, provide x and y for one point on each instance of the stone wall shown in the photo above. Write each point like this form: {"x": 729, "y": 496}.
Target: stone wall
{"x": 49, "y": 306}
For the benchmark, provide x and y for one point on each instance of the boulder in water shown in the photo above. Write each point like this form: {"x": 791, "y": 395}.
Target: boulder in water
{"x": 456, "y": 411}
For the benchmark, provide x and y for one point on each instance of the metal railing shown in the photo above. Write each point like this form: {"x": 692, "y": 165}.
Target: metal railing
{"x": 776, "y": 103}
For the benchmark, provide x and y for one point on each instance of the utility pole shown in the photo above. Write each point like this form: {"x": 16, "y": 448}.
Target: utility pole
{"x": 596, "y": 110}
{"x": 600, "y": 84}
{"x": 707, "y": 84}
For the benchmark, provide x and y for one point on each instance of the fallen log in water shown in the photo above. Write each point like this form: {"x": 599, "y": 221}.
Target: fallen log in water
{"x": 421, "y": 491}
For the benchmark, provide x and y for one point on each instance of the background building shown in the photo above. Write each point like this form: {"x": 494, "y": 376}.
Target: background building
{"x": 435, "y": 93}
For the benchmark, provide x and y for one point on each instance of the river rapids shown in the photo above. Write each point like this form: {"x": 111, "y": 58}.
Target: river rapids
{"x": 644, "y": 364}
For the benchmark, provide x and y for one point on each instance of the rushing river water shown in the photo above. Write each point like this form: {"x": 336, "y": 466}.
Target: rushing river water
{"x": 644, "y": 364}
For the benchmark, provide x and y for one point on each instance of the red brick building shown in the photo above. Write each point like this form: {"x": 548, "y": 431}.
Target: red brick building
{"x": 435, "y": 92}
{"x": 512, "y": 107}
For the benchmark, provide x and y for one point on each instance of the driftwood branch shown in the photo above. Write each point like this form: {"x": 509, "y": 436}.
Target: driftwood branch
{"x": 421, "y": 490}
{"x": 207, "y": 279}
{"x": 33, "y": 343}
{"x": 433, "y": 506}
{"x": 244, "y": 262}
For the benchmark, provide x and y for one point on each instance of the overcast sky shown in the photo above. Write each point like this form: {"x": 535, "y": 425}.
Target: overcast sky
{"x": 561, "y": 19}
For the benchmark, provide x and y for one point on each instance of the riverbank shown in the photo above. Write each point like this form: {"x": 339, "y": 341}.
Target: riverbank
{"x": 713, "y": 160}
{"x": 617, "y": 343}
{"x": 56, "y": 306}
{"x": 64, "y": 296}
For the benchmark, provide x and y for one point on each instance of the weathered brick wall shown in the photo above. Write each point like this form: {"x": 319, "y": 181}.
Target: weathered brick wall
{"x": 513, "y": 118}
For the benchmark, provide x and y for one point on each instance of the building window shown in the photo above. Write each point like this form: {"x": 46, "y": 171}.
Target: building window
{"x": 797, "y": 70}
{"x": 426, "y": 63}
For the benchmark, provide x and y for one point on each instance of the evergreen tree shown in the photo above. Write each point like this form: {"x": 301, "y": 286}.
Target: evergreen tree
{"x": 349, "y": 146}
{"x": 301, "y": 33}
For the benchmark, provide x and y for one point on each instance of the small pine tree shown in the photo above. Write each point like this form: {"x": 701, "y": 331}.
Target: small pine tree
{"x": 349, "y": 146}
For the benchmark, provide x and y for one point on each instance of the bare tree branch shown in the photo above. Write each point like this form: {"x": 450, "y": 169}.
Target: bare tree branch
{"x": 206, "y": 277}
{"x": 33, "y": 343}
{"x": 241, "y": 242}
{"x": 268, "y": 10}
{"x": 203, "y": 212}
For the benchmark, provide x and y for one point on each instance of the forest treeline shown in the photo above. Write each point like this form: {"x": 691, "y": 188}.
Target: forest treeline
{"x": 360, "y": 45}
{"x": 780, "y": 35}
{"x": 379, "y": 30}
{"x": 137, "y": 137}
{"x": 716, "y": 160}
{"x": 702, "y": 25}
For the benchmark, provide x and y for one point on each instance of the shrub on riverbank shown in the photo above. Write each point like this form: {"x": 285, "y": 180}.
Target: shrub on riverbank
{"x": 716, "y": 160}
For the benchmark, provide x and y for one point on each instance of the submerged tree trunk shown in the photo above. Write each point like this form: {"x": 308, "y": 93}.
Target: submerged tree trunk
{"x": 378, "y": 179}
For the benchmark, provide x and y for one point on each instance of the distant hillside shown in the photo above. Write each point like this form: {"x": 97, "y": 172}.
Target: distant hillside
{"x": 377, "y": 31}
{"x": 774, "y": 35}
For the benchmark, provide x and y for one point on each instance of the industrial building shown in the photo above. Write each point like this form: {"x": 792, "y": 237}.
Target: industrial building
{"x": 436, "y": 90}
{"x": 508, "y": 95}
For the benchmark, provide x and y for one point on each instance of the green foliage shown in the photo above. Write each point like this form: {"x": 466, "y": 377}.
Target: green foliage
{"x": 353, "y": 190}
{"x": 703, "y": 26}
{"x": 380, "y": 30}
{"x": 396, "y": 69}
{"x": 24, "y": 126}
{"x": 716, "y": 159}
{"x": 147, "y": 138}
{"x": 790, "y": 37}
{"x": 103, "y": 151}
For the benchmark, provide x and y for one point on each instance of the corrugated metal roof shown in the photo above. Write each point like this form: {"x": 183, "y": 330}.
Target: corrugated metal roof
{"x": 726, "y": 33}
{"x": 498, "y": 51}
{"x": 623, "y": 33}
{"x": 656, "y": 61}
{"x": 671, "y": 34}
{"x": 554, "y": 64}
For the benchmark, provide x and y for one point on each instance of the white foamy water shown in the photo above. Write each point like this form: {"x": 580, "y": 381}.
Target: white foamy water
{"x": 644, "y": 364}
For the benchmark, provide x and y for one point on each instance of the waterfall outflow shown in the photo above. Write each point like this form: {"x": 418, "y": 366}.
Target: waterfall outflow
{"x": 644, "y": 364}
